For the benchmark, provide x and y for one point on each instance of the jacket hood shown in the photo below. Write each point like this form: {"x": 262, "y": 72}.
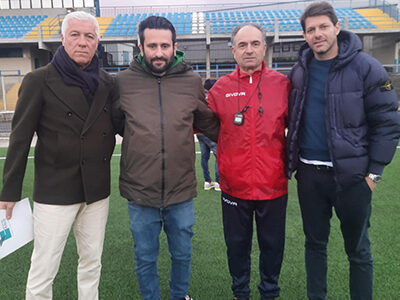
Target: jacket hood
{"x": 349, "y": 45}
{"x": 177, "y": 66}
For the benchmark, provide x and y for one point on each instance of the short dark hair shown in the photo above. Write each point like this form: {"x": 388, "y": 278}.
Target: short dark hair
{"x": 156, "y": 22}
{"x": 318, "y": 9}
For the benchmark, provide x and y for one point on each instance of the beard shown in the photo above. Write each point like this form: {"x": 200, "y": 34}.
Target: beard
{"x": 158, "y": 70}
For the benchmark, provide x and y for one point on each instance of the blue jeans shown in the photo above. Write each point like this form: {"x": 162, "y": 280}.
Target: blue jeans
{"x": 145, "y": 224}
{"x": 207, "y": 145}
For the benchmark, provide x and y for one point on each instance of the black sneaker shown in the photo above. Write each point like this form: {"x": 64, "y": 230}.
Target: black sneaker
{"x": 187, "y": 297}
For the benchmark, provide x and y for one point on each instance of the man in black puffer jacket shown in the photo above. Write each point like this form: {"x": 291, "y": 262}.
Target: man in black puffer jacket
{"x": 344, "y": 128}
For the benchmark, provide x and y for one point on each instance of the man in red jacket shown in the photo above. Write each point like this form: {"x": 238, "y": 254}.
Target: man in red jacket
{"x": 251, "y": 104}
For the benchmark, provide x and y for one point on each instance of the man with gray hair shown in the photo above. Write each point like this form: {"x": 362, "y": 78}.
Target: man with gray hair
{"x": 251, "y": 104}
{"x": 67, "y": 103}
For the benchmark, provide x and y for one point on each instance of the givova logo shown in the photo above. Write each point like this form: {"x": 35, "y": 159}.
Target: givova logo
{"x": 229, "y": 202}
{"x": 235, "y": 94}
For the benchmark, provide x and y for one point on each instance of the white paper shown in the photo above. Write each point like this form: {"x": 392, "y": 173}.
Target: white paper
{"x": 17, "y": 231}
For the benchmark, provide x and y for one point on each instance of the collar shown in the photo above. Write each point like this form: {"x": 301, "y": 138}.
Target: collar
{"x": 253, "y": 77}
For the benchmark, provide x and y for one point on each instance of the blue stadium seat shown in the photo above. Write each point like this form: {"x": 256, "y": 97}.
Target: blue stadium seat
{"x": 142, "y": 17}
{"x": 18, "y": 26}
{"x": 188, "y": 23}
{"x": 220, "y": 21}
{"x": 226, "y": 16}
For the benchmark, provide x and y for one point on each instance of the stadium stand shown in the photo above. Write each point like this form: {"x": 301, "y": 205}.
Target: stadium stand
{"x": 187, "y": 23}
{"x": 378, "y": 18}
{"x": 49, "y": 27}
{"x": 52, "y": 27}
{"x": 18, "y": 26}
{"x": 224, "y": 22}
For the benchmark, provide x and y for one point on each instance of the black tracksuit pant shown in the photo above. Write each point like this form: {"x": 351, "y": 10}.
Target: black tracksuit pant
{"x": 238, "y": 217}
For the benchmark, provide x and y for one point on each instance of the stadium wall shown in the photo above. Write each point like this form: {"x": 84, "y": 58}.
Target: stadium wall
{"x": 381, "y": 47}
{"x": 32, "y": 58}
{"x": 22, "y": 64}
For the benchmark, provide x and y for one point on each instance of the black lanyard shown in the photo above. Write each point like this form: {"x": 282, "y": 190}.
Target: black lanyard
{"x": 260, "y": 109}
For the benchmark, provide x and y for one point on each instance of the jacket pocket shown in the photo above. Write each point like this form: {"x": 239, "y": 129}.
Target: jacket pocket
{"x": 350, "y": 118}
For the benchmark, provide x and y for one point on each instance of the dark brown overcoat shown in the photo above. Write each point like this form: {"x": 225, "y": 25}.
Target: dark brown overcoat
{"x": 75, "y": 141}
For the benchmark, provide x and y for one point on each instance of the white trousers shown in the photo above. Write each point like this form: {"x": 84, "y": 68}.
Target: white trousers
{"x": 51, "y": 227}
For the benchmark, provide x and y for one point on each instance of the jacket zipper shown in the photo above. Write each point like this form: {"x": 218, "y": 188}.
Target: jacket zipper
{"x": 299, "y": 116}
{"x": 330, "y": 111}
{"x": 253, "y": 137}
{"x": 162, "y": 143}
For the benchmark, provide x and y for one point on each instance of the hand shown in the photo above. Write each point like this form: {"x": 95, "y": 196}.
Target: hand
{"x": 8, "y": 206}
{"x": 371, "y": 183}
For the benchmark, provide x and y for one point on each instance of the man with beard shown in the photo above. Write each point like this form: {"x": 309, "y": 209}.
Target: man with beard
{"x": 161, "y": 101}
